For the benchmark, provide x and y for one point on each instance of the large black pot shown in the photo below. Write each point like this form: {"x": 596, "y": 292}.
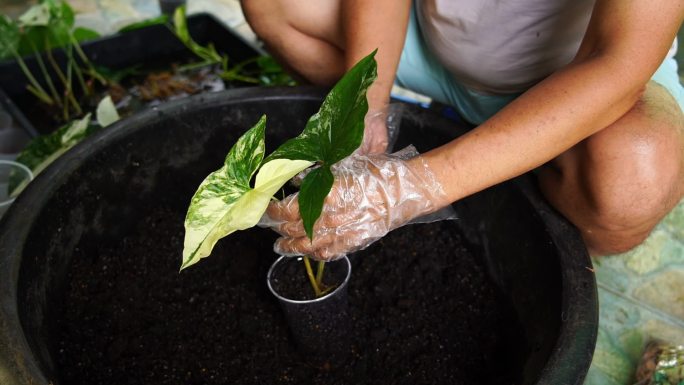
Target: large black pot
{"x": 93, "y": 194}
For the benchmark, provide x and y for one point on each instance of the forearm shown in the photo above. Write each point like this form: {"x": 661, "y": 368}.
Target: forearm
{"x": 623, "y": 46}
{"x": 375, "y": 24}
{"x": 558, "y": 113}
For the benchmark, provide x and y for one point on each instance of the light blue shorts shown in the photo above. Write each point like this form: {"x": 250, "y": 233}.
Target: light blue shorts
{"x": 420, "y": 71}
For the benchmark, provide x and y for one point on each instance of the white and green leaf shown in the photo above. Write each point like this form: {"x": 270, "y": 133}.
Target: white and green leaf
{"x": 36, "y": 16}
{"x": 330, "y": 135}
{"x": 225, "y": 202}
{"x": 106, "y": 112}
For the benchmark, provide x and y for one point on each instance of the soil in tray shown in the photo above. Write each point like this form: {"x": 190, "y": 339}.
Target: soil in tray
{"x": 421, "y": 307}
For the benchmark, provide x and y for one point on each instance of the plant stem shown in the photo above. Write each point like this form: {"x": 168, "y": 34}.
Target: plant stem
{"x": 46, "y": 75}
{"x": 35, "y": 87}
{"x": 40, "y": 94}
{"x": 319, "y": 273}
{"x": 91, "y": 68}
{"x": 77, "y": 70}
{"x": 60, "y": 74}
{"x": 312, "y": 279}
{"x": 66, "y": 109}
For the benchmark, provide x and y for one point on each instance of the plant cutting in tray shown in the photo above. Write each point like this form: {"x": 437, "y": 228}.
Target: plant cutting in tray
{"x": 67, "y": 89}
{"x": 43, "y": 150}
{"x": 269, "y": 71}
{"x": 48, "y": 25}
{"x": 226, "y": 201}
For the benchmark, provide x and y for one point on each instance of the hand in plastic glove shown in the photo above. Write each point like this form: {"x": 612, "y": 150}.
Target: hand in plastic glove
{"x": 371, "y": 195}
{"x": 375, "y": 138}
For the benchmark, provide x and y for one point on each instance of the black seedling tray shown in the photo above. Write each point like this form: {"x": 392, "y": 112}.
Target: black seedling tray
{"x": 149, "y": 45}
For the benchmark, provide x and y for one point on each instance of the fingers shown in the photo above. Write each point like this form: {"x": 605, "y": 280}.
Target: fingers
{"x": 323, "y": 248}
{"x": 286, "y": 210}
{"x": 375, "y": 138}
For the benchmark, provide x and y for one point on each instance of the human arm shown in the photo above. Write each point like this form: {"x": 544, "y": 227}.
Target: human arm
{"x": 369, "y": 25}
{"x": 372, "y": 194}
{"x": 624, "y": 44}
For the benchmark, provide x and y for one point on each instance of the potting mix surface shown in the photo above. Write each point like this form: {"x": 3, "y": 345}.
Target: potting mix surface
{"x": 422, "y": 310}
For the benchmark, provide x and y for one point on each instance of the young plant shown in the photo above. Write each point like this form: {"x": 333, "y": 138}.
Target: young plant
{"x": 226, "y": 201}
{"x": 43, "y": 150}
{"x": 269, "y": 71}
{"x": 45, "y": 26}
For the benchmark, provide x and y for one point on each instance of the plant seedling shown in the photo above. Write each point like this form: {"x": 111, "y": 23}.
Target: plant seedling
{"x": 43, "y": 150}
{"x": 45, "y": 26}
{"x": 269, "y": 71}
{"x": 226, "y": 201}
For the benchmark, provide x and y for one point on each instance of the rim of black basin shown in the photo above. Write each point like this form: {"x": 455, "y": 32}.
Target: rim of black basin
{"x": 567, "y": 364}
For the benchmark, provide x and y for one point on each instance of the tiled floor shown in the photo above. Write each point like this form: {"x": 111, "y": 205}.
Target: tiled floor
{"x": 641, "y": 292}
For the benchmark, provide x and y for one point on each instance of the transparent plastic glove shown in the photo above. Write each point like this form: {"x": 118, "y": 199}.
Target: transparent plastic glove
{"x": 380, "y": 132}
{"x": 375, "y": 136}
{"x": 371, "y": 195}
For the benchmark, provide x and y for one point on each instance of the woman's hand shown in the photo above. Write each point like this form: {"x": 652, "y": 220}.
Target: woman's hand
{"x": 375, "y": 137}
{"x": 371, "y": 195}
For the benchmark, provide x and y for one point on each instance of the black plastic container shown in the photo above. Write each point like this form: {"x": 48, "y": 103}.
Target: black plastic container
{"x": 152, "y": 45}
{"x": 99, "y": 191}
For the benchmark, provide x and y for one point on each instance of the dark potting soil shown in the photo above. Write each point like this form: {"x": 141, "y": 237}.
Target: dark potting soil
{"x": 421, "y": 309}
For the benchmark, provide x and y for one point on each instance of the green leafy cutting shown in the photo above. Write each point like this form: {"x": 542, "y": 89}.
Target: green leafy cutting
{"x": 331, "y": 135}
{"x": 268, "y": 71}
{"x": 41, "y": 29}
{"x": 225, "y": 201}
{"x": 43, "y": 150}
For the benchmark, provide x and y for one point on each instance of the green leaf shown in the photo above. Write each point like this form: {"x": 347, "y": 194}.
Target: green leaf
{"x": 180, "y": 25}
{"x": 37, "y": 15}
{"x": 334, "y": 132}
{"x": 163, "y": 19}
{"x": 61, "y": 13}
{"x": 43, "y": 150}
{"x": 9, "y": 37}
{"x": 208, "y": 53}
{"x": 315, "y": 187}
{"x": 106, "y": 112}
{"x": 246, "y": 155}
{"x": 225, "y": 203}
{"x": 33, "y": 40}
{"x": 345, "y": 108}
{"x": 205, "y": 221}
{"x": 214, "y": 216}
{"x": 85, "y": 34}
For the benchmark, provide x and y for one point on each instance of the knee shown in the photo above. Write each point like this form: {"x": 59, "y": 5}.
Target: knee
{"x": 625, "y": 207}
{"x": 616, "y": 185}
{"x": 264, "y": 17}
{"x": 616, "y": 191}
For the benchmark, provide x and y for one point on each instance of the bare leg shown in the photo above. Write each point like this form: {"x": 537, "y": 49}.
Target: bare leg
{"x": 619, "y": 183}
{"x": 305, "y": 36}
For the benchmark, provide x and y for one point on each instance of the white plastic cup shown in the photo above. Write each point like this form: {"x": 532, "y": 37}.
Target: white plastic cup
{"x": 14, "y": 176}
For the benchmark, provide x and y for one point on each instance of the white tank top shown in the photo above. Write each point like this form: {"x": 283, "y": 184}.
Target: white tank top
{"x": 503, "y": 46}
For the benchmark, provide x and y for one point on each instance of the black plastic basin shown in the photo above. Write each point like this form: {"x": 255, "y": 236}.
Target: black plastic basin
{"x": 92, "y": 195}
